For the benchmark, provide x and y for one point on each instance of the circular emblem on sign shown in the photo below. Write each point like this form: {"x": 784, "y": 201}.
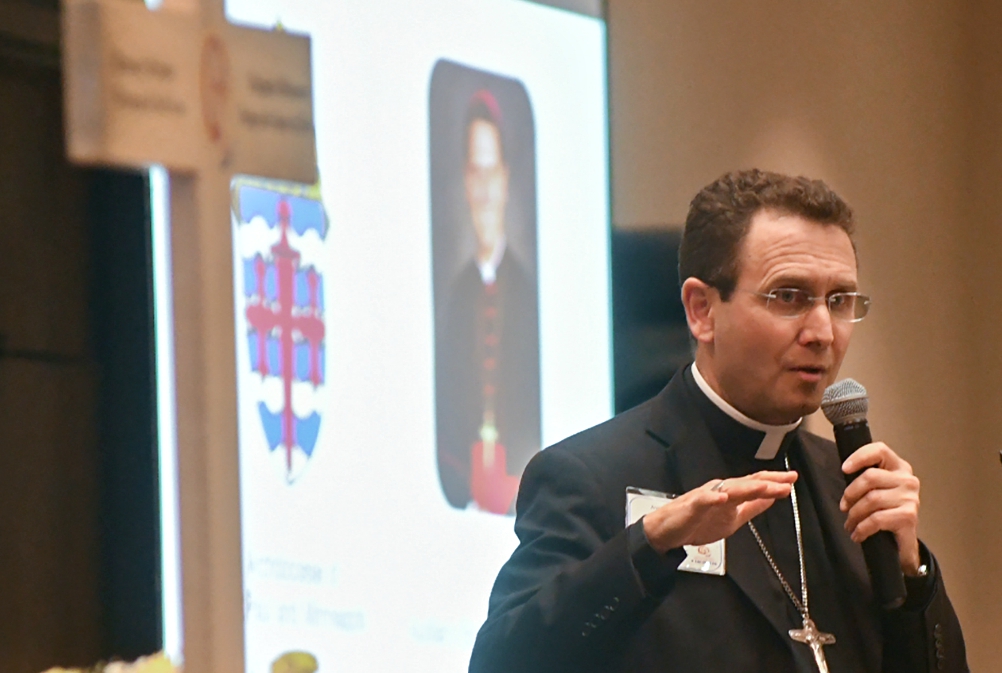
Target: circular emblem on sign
{"x": 214, "y": 86}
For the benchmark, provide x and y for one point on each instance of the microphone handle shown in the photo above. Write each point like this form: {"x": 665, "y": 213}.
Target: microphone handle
{"x": 880, "y": 549}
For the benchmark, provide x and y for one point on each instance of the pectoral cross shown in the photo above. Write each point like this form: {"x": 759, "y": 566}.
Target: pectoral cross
{"x": 816, "y": 640}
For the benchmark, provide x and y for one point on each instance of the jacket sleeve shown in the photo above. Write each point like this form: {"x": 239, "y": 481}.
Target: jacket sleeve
{"x": 570, "y": 596}
{"x": 924, "y": 635}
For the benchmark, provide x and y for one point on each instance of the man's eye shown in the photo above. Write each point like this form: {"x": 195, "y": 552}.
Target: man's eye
{"x": 838, "y": 300}
{"x": 787, "y": 296}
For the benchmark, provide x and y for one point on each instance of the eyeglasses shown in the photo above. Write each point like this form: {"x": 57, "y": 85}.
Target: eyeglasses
{"x": 791, "y": 302}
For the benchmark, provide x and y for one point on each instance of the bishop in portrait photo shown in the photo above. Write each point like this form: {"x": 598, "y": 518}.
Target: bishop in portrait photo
{"x": 487, "y": 395}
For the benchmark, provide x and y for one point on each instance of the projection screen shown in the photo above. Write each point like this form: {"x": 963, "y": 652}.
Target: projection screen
{"x": 411, "y": 329}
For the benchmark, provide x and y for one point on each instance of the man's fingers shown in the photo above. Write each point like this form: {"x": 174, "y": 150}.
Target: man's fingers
{"x": 777, "y": 485}
{"x": 784, "y": 477}
{"x": 728, "y": 485}
{"x": 751, "y": 509}
{"x": 896, "y": 520}
{"x": 701, "y": 499}
{"x": 885, "y": 499}
{"x": 875, "y": 479}
{"x": 868, "y": 455}
{"x": 876, "y": 454}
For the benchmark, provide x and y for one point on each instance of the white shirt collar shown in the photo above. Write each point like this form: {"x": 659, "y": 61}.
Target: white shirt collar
{"x": 774, "y": 434}
{"x": 489, "y": 269}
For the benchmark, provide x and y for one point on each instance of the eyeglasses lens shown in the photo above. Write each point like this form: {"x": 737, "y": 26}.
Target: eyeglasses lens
{"x": 792, "y": 303}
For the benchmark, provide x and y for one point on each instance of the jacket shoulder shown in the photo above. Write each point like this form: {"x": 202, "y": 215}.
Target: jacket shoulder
{"x": 612, "y": 455}
{"x": 616, "y": 440}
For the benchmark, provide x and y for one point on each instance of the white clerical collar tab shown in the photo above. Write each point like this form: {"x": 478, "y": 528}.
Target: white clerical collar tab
{"x": 489, "y": 269}
{"x": 774, "y": 434}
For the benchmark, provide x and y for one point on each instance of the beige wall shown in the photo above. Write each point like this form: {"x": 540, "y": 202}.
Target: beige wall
{"x": 983, "y": 274}
{"x": 898, "y": 105}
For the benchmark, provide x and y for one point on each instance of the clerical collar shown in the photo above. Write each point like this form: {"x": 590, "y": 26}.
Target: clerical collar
{"x": 489, "y": 269}
{"x": 774, "y": 434}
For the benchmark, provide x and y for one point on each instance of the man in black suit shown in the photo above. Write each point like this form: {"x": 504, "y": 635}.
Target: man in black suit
{"x": 771, "y": 297}
{"x": 487, "y": 344}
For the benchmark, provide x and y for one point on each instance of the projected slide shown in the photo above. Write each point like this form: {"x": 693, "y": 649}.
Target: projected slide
{"x": 417, "y": 325}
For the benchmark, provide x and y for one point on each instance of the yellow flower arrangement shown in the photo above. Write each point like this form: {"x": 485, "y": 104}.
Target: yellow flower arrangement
{"x": 289, "y": 662}
{"x": 155, "y": 663}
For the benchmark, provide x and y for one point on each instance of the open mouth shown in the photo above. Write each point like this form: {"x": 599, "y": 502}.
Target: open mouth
{"x": 810, "y": 372}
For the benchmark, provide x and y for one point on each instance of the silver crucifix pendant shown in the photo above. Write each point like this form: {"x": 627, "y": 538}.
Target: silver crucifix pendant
{"x": 816, "y": 640}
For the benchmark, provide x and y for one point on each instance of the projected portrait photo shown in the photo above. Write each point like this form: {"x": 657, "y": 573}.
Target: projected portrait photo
{"x": 483, "y": 196}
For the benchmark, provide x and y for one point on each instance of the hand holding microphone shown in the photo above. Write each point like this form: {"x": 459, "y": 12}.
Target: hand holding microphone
{"x": 881, "y": 497}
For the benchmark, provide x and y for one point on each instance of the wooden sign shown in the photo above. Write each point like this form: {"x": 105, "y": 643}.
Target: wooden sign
{"x": 162, "y": 87}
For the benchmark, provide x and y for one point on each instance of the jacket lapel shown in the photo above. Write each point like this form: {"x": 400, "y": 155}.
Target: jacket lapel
{"x": 823, "y": 473}
{"x": 676, "y": 423}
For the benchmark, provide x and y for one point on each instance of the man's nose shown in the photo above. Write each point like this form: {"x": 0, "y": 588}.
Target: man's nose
{"x": 818, "y": 328}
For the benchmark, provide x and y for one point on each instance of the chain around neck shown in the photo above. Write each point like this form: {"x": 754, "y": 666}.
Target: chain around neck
{"x": 801, "y": 603}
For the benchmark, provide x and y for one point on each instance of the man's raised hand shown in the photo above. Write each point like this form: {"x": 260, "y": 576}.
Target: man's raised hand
{"x": 715, "y": 510}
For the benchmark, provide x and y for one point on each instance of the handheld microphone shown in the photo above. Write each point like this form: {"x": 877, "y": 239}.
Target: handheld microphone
{"x": 845, "y": 404}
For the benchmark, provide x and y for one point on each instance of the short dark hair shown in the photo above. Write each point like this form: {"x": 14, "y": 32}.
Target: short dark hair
{"x": 482, "y": 106}
{"x": 720, "y": 215}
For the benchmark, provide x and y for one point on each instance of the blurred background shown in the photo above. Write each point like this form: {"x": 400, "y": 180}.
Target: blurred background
{"x": 898, "y": 105}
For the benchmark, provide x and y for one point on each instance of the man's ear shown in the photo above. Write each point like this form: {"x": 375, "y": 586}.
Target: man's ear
{"x": 699, "y": 300}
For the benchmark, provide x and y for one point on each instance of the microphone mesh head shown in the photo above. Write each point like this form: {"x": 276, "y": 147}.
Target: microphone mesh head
{"x": 845, "y": 401}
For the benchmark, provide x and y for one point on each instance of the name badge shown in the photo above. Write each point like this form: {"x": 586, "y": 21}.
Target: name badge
{"x": 706, "y": 559}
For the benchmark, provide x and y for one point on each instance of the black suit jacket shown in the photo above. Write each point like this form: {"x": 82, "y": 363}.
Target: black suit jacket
{"x": 571, "y": 597}
{"x": 459, "y": 400}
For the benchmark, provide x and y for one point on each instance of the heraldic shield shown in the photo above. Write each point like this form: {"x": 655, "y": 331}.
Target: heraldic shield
{"x": 281, "y": 232}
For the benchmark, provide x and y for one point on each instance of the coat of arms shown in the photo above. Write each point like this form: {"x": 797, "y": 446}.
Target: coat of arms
{"x": 281, "y": 231}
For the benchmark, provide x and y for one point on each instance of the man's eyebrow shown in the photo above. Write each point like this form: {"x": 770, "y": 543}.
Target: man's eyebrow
{"x": 804, "y": 283}
{"x": 799, "y": 282}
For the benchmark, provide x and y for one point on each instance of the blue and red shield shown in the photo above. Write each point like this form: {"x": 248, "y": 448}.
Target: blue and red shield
{"x": 281, "y": 233}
